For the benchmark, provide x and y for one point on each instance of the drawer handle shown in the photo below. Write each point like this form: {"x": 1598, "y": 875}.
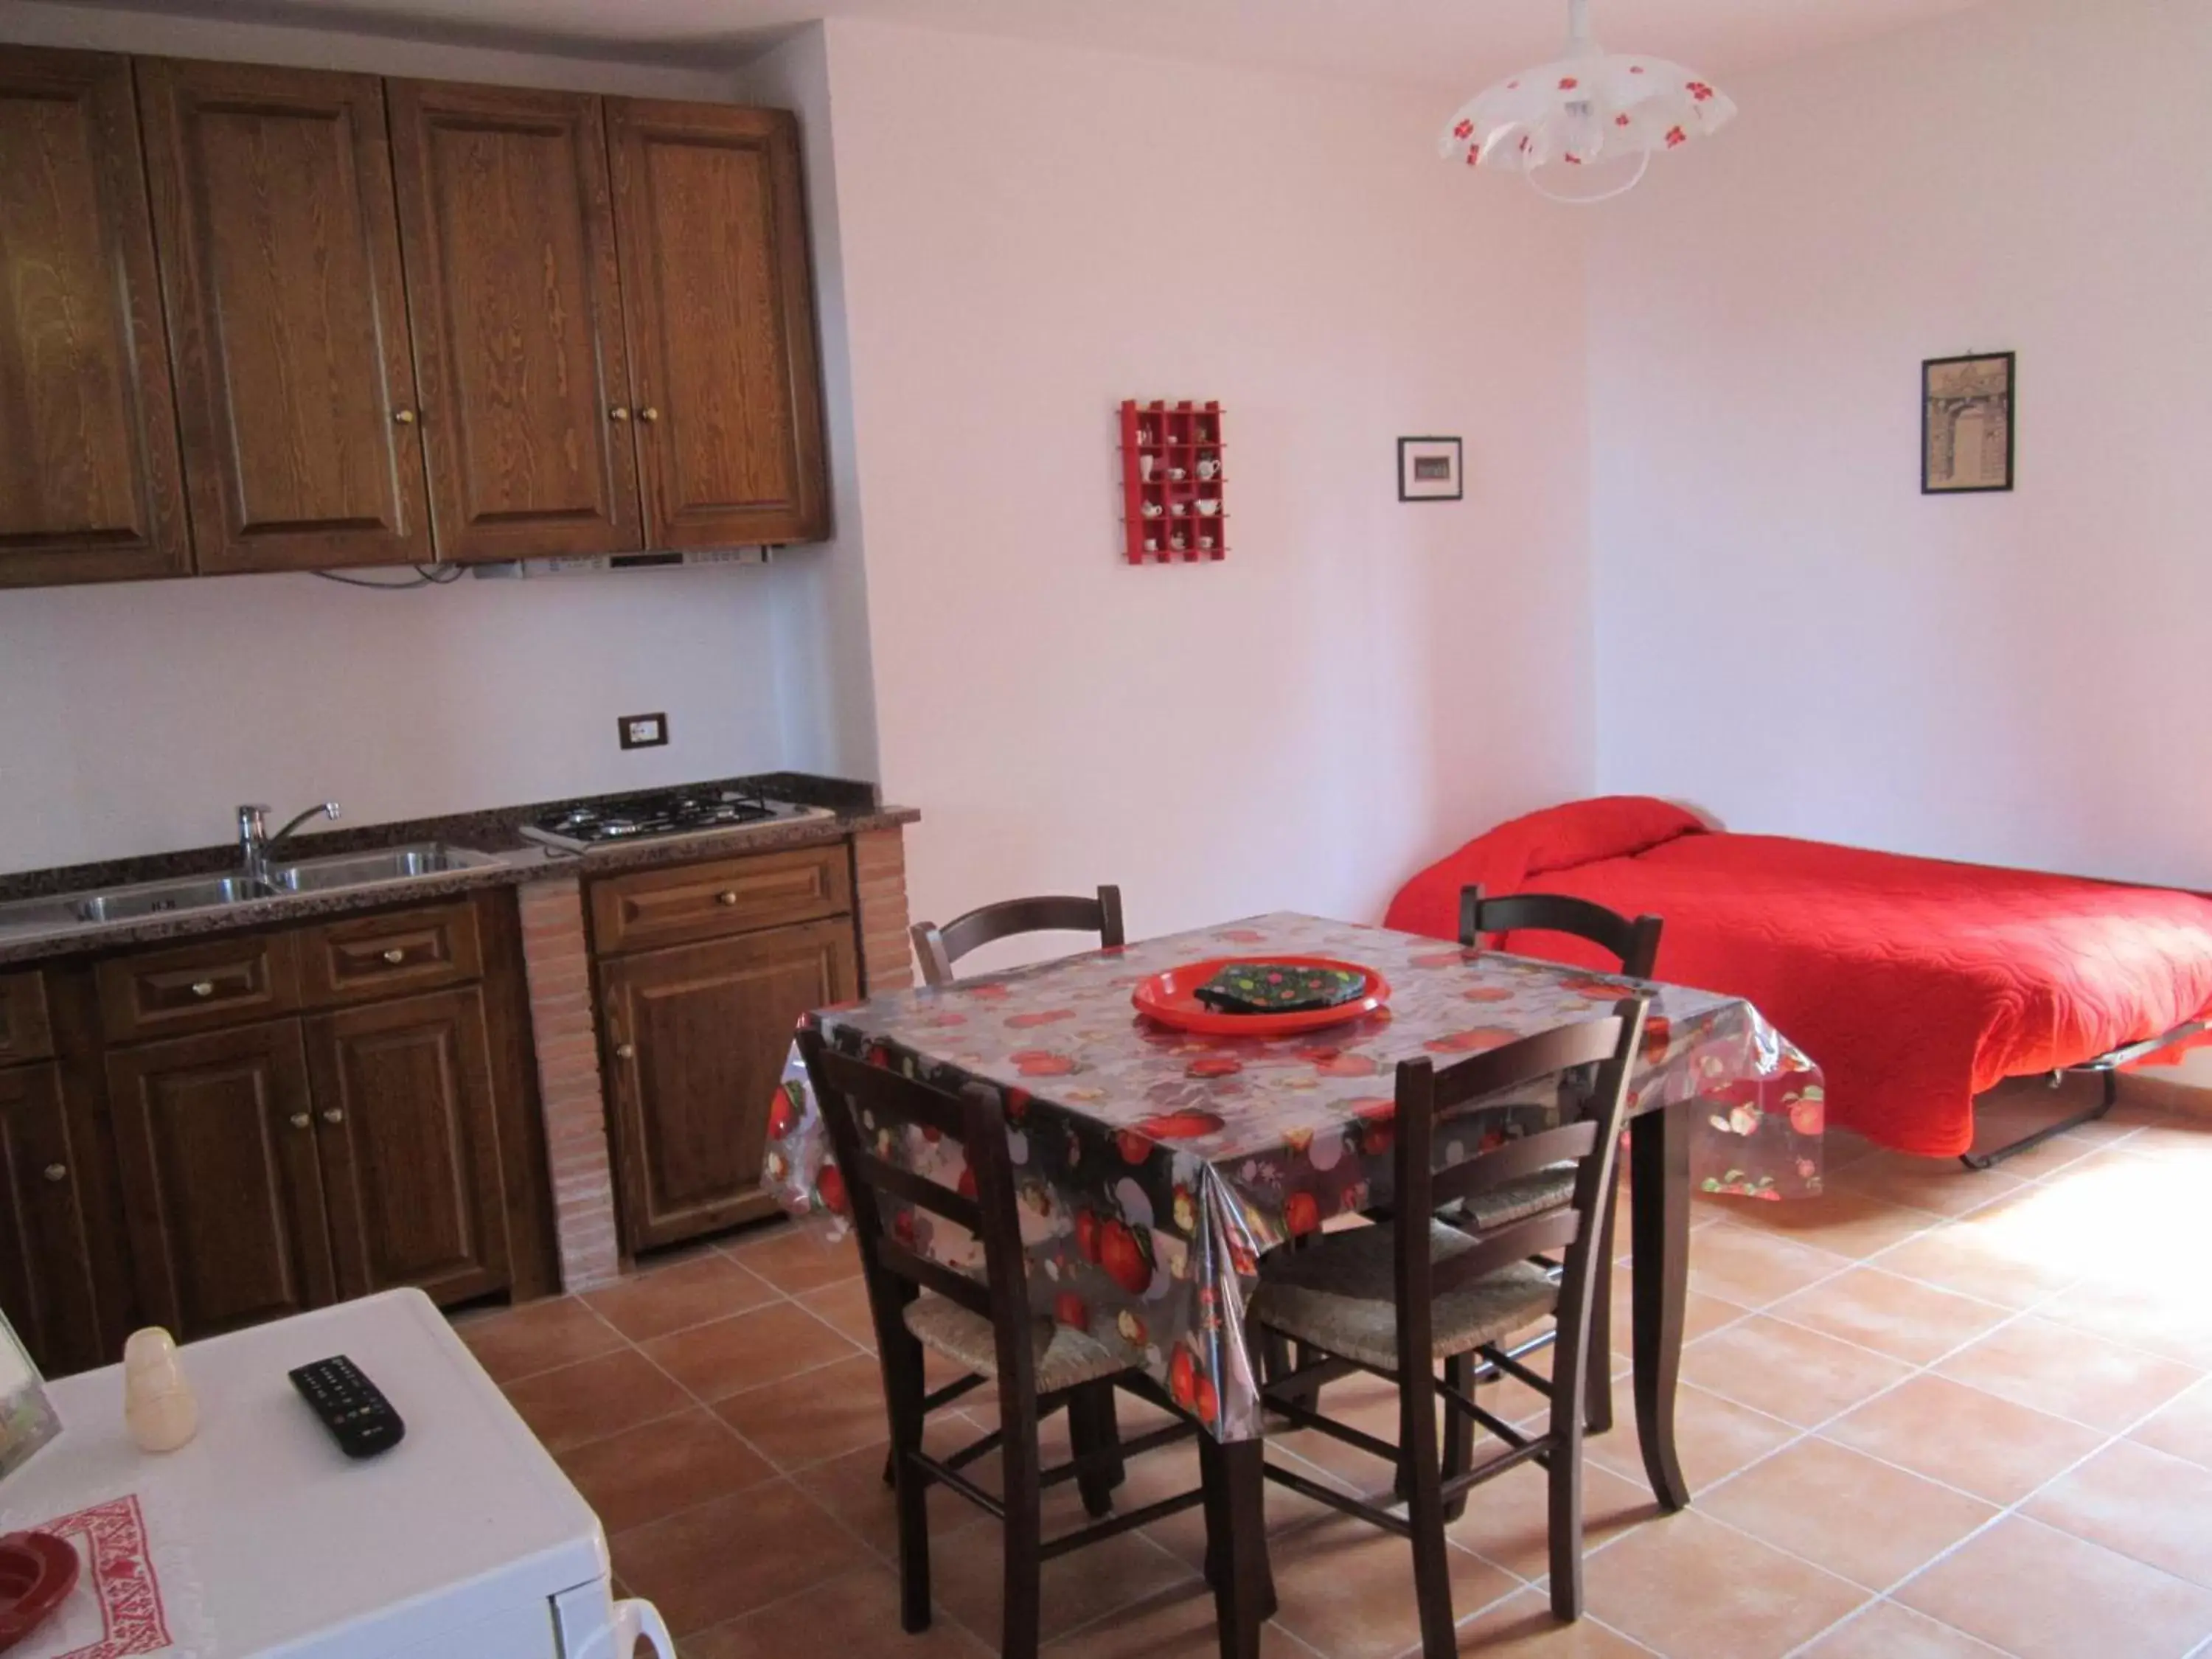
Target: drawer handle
{"x": 202, "y": 987}
{"x": 331, "y": 1115}
{"x": 395, "y": 956}
{"x": 625, "y": 1051}
{"x": 56, "y": 1172}
{"x": 618, "y": 413}
{"x": 300, "y": 1119}
{"x": 404, "y": 416}
{"x": 726, "y": 897}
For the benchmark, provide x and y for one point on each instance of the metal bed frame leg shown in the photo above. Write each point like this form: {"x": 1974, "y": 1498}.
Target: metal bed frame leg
{"x": 2110, "y": 1098}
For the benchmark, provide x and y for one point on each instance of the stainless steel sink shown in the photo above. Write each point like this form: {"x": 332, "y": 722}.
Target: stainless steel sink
{"x": 159, "y": 897}
{"x": 429, "y": 858}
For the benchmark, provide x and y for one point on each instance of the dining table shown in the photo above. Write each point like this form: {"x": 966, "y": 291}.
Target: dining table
{"x": 1156, "y": 1166}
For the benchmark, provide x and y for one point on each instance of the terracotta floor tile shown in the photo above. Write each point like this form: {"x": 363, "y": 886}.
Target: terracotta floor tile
{"x": 844, "y": 1307}
{"x": 721, "y": 1559}
{"x": 2142, "y": 1503}
{"x": 1690, "y": 1587}
{"x": 537, "y": 1336}
{"x": 968, "y": 1566}
{"x": 595, "y": 1399}
{"x": 819, "y": 1413}
{"x": 2172, "y": 1318}
{"x": 1702, "y": 1314}
{"x": 1797, "y": 1375}
{"x": 1347, "y": 1589}
{"x": 746, "y": 1350}
{"x": 1900, "y": 1317}
{"x": 1841, "y": 1148}
{"x": 1941, "y": 1185}
{"x": 1841, "y": 1221}
{"x": 1184, "y": 1534}
{"x": 2042, "y": 1593}
{"x": 661, "y": 1467}
{"x": 1508, "y": 1521}
{"x": 688, "y": 1293}
{"x": 855, "y": 1615}
{"x": 1177, "y": 1623}
{"x": 1713, "y": 1437}
{"x": 1861, "y": 1520}
{"x": 1522, "y": 1627}
{"x": 1992, "y": 1448}
{"x": 797, "y": 1256}
{"x": 852, "y": 1488}
{"x": 1998, "y": 1255}
{"x": 2183, "y": 1429}
{"x": 1887, "y": 1630}
{"x": 2057, "y": 1368}
{"x": 1752, "y": 1268}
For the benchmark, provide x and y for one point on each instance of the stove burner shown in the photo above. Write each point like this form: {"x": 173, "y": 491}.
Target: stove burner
{"x": 664, "y": 812}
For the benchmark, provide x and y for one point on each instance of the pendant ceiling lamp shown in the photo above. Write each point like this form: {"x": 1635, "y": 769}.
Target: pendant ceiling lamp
{"x": 1589, "y": 107}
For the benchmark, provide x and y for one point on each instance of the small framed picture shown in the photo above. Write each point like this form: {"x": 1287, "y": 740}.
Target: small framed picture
{"x": 27, "y": 1417}
{"x": 1429, "y": 469}
{"x": 1968, "y": 422}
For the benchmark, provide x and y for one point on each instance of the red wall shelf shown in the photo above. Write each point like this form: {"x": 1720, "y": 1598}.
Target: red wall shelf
{"x": 1173, "y": 468}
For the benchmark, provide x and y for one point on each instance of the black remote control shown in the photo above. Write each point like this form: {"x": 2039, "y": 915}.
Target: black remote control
{"x": 360, "y": 1419}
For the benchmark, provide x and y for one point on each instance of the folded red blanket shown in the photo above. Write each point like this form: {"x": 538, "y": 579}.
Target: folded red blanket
{"x": 1914, "y": 983}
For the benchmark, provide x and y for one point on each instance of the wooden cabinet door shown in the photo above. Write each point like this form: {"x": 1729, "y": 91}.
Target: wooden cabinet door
{"x": 410, "y": 1146}
{"x": 90, "y": 487}
{"x": 216, "y": 1143}
{"x": 46, "y": 1284}
{"x": 720, "y": 310}
{"x": 511, "y": 286}
{"x": 696, "y": 1038}
{"x": 280, "y": 267}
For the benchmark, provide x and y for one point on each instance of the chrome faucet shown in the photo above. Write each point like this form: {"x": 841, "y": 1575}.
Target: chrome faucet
{"x": 255, "y": 843}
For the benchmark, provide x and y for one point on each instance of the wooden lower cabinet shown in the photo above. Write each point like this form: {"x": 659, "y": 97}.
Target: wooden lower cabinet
{"x": 410, "y": 1146}
{"x": 695, "y": 1039}
{"x": 222, "y": 1185}
{"x": 46, "y": 1282}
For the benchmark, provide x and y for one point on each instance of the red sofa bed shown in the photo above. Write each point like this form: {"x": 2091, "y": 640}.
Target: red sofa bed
{"x": 1915, "y": 984}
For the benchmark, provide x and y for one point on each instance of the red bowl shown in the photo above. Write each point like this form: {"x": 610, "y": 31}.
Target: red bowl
{"x": 1171, "y": 998}
{"x": 37, "y": 1572}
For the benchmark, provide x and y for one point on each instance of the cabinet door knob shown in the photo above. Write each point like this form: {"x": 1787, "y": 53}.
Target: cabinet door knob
{"x": 56, "y": 1172}
{"x": 619, "y": 412}
{"x": 300, "y": 1119}
{"x": 404, "y": 416}
{"x": 648, "y": 413}
{"x": 395, "y": 956}
{"x": 331, "y": 1115}
{"x": 625, "y": 1051}
{"x": 726, "y": 897}
{"x": 202, "y": 987}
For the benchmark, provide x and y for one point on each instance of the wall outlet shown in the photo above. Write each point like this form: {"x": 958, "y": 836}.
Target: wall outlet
{"x": 644, "y": 731}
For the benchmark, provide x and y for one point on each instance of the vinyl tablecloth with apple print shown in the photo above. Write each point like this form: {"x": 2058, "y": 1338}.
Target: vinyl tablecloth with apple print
{"x": 1156, "y": 1167}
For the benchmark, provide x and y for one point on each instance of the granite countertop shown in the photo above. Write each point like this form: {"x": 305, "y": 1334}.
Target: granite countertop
{"x": 849, "y": 809}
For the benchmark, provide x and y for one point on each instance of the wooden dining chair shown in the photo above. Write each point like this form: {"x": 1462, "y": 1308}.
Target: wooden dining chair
{"x": 1399, "y": 1299}
{"x": 987, "y": 1329}
{"x": 939, "y": 948}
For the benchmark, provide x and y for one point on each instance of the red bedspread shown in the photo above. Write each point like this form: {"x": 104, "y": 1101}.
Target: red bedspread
{"x": 1915, "y": 984}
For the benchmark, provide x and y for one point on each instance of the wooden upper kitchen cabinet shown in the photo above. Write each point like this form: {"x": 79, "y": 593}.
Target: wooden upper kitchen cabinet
{"x": 509, "y": 243}
{"x": 696, "y": 1038}
{"x": 222, "y": 1187}
{"x": 279, "y": 248}
{"x": 90, "y": 486}
{"x": 719, "y": 302}
{"x": 46, "y": 1272}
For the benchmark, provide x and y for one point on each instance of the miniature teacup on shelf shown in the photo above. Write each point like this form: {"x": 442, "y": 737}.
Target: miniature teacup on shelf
{"x": 1209, "y": 507}
{"x": 1209, "y": 469}
{"x": 1178, "y": 544}
{"x": 1178, "y": 474}
{"x": 1206, "y": 544}
{"x": 1151, "y": 543}
{"x": 1152, "y": 509}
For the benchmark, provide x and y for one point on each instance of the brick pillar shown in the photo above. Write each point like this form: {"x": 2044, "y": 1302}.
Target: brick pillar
{"x": 880, "y": 875}
{"x": 559, "y": 968}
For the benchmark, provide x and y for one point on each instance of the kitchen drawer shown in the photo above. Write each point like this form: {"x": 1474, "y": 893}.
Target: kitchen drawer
{"x": 199, "y": 986}
{"x": 696, "y": 902}
{"x": 369, "y": 958}
{"x": 25, "y": 1032}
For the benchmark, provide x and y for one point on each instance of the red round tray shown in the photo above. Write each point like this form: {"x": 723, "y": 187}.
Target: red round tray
{"x": 37, "y": 1572}
{"x": 1170, "y": 998}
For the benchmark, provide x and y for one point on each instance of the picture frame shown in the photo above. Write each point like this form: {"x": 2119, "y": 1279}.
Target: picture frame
{"x": 1969, "y": 423}
{"x": 1431, "y": 470}
{"x": 27, "y": 1419}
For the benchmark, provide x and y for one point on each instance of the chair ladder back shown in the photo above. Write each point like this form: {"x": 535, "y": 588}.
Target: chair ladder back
{"x": 1546, "y": 1053}
{"x": 939, "y": 948}
{"x": 1635, "y": 942}
{"x": 1473, "y": 1176}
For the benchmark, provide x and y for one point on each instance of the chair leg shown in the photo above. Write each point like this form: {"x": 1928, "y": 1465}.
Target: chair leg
{"x": 903, "y": 1391}
{"x": 1597, "y": 1412}
{"x": 1570, "y": 1365}
{"x": 1420, "y": 1479}
{"x": 1092, "y": 1428}
{"x": 1023, "y": 1530}
{"x": 1459, "y": 1431}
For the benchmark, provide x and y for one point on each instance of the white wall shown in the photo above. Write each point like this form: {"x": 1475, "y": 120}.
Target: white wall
{"x": 132, "y": 718}
{"x": 1787, "y": 631}
{"x": 1032, "y": 234}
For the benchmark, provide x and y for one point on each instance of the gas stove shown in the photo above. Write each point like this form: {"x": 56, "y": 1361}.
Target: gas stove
{"x": 661, "y": 814}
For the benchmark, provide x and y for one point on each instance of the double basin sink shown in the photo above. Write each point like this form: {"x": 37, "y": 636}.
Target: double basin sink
{"x": 339, "y": 872}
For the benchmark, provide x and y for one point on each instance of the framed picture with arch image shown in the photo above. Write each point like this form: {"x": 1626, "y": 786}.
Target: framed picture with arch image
{"x": 1429, "y": 469}
{"x": 1968, "y": 423}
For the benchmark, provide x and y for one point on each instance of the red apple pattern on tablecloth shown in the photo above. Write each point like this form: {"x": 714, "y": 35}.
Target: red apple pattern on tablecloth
{"x": 1155, "y": 1167}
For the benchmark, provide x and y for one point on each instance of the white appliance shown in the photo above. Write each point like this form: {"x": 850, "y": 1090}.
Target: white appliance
{"x": 464, "y": 1541}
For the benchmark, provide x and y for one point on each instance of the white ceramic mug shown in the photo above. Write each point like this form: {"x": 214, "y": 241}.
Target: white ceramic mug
{"x": 1209, "y": 469}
